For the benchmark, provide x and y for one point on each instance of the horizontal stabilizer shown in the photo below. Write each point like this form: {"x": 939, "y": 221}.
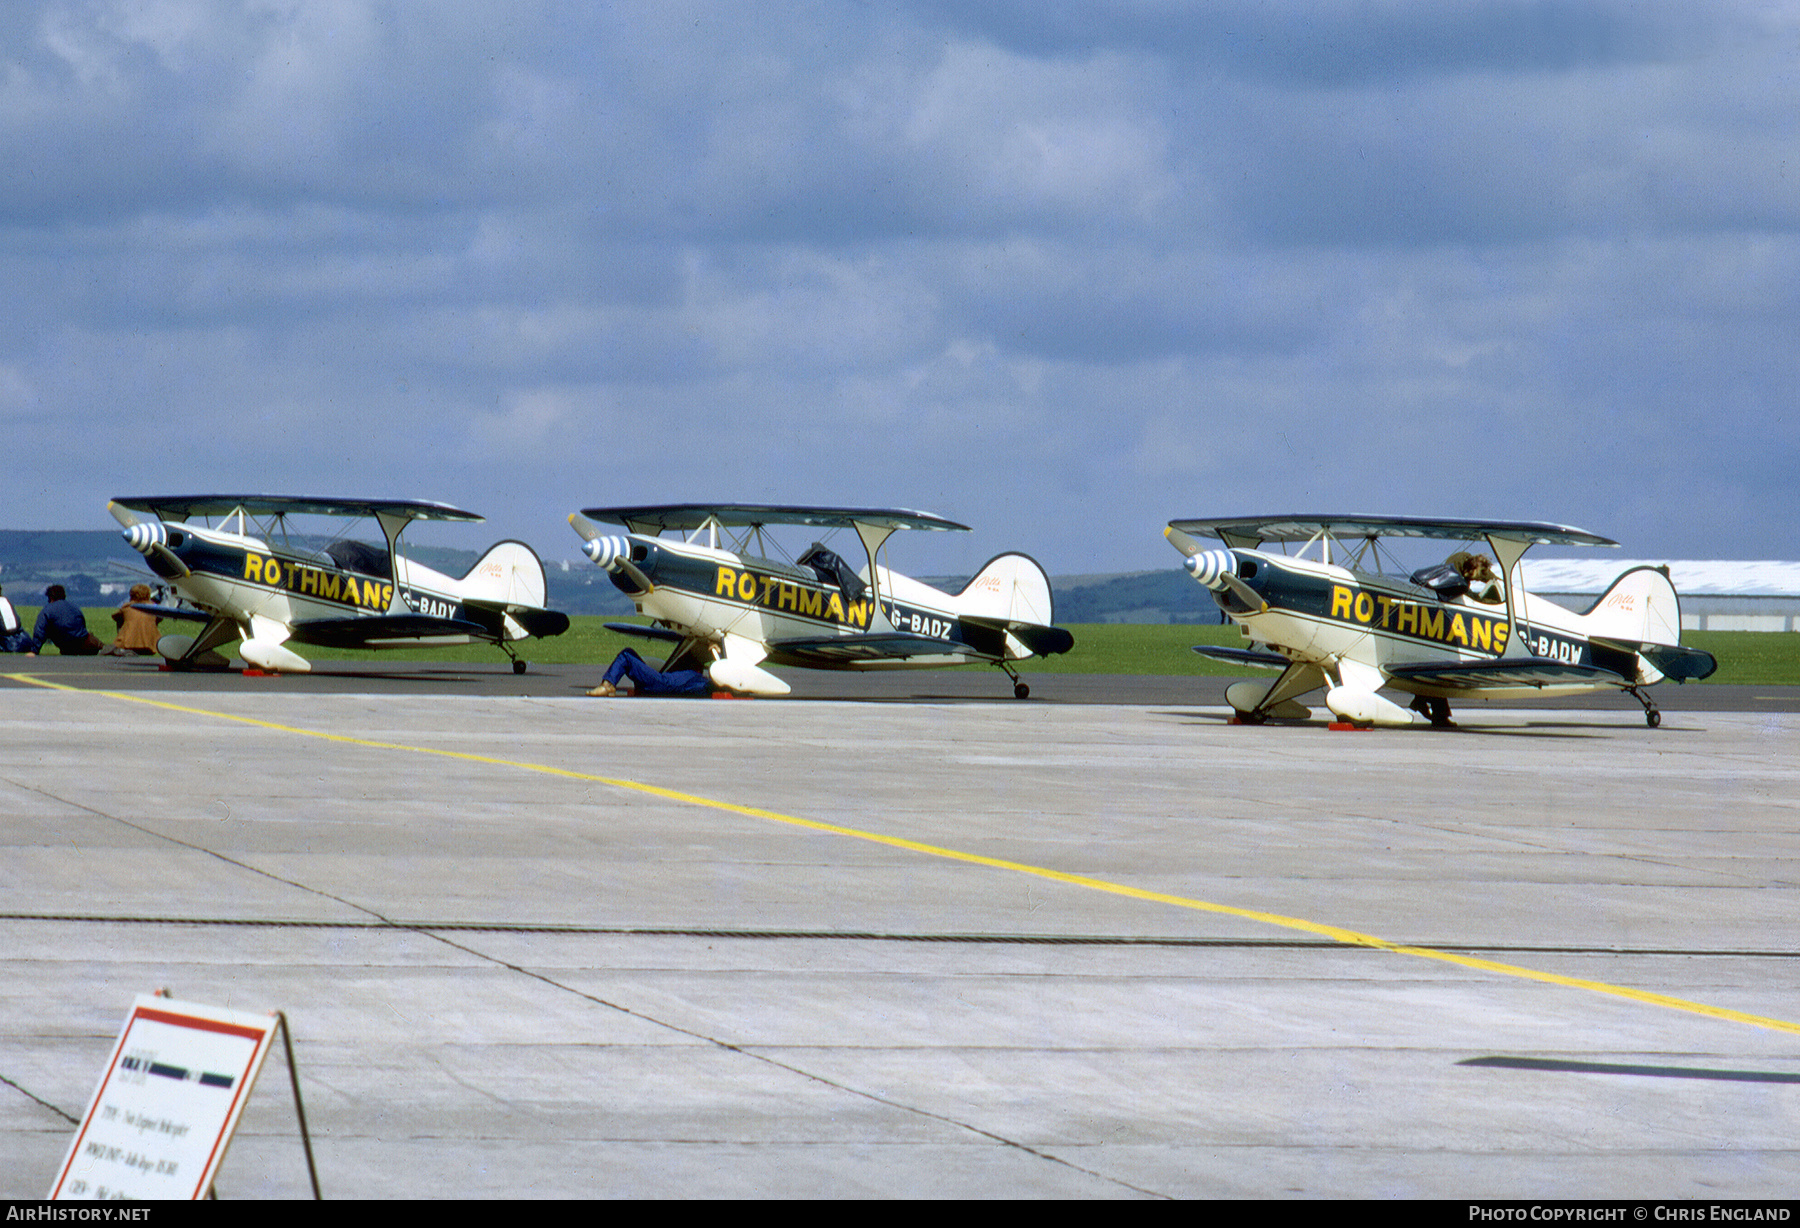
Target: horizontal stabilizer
{"x": 838, "y": 650}
{"x": 385, "y": 631}
{"x": 1521, "y": 671}
{"x": 647, "y": 633}
{"x": 538, "y": 623}
{"x": 1039, "y": 640}
{"x": 1669, "y": 660}
{"x": 1244, "y": 656}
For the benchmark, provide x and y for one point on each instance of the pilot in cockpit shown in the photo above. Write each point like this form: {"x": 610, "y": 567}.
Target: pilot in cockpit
{"x": 1484, "y": 583}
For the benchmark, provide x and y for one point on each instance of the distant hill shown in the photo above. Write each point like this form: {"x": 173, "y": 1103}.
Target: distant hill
{"x": 98, "y": 568}
{"x": 1169, "y": 596}
{"x": 75, "y": 559}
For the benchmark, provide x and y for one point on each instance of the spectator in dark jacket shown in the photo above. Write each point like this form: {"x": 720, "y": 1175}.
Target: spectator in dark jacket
{"x": 61, "y": 623}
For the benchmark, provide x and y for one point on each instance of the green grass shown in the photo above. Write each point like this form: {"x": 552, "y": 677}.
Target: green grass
{"x": 1745, "y": 657}
{"x": 1751, "y": 658}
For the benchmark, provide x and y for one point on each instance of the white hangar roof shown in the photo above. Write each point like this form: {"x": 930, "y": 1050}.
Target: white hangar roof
{"x": 1692, "y": 577}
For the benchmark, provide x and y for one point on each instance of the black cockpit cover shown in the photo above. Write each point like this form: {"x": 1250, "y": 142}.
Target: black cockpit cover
{"x": 833, "y": 570}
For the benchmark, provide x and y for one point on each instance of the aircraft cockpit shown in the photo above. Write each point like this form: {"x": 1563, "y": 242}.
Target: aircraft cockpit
{"x": 1463, "y": 575}
{"x": 832, "y": 569}
{"x": 360, "y": 557}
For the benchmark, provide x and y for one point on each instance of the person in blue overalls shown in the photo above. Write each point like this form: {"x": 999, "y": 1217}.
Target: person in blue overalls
{"x": 649, "y": 680}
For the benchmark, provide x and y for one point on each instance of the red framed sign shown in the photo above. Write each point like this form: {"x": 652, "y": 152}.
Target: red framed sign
{"x": 168, "y": 1101}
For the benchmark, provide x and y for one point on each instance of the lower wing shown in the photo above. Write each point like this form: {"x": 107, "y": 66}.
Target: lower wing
{"x": 185, "y": 613}
{"x": 387, "y": 631}
{"x": 840, "y": 650}
{"x": 1244, "y": 656}
{"x": 1521, "y": 671}
{"x": 662, "y": 634}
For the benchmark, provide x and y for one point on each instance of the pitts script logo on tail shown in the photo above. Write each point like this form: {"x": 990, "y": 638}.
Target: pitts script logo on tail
{"x": 1438, "y": 624}
{"x": 305, "y": 580}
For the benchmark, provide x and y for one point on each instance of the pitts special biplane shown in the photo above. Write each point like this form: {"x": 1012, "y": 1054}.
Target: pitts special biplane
{"x": 726, "y": 606}
{"x": 1466, "y": 628}
{"x": 253, "y": 577}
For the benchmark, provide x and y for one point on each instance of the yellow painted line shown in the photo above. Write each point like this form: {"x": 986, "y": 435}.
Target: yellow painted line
{"x": 1335, "y": 933}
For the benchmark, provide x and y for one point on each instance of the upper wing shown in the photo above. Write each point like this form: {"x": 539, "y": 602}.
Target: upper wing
{"x": 1250, "y": 531}
{"x": 688, "y": 516}
{"x": 180, "y": 507}
{"x": 839, "y": 650}
{"x": 1522, "y": 671}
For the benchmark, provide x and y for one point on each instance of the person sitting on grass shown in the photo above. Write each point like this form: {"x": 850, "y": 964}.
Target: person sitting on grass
{"x": 61, "y": 623}
{"x": 13, "y": 636}
{"x": 138, "y": 631}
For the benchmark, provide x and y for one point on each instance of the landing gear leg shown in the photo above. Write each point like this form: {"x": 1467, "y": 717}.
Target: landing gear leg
{"x": 1020, "y": 690}
{"x": 1652, "y": 715}
{"x": 1434, "y": 709}
{"x": 519, "y": 666}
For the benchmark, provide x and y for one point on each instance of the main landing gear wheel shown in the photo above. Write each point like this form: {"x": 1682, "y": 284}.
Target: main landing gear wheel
{"x": 1021, "y": 691}
{"x": 1250, "y": 718}
{"x": 518, "y": 666}
{"x": 1653, "y": 718}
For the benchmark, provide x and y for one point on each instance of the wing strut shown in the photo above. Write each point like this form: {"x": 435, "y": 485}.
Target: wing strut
{"x": 874, "y": 537}
{"x": 1507, "y": 552}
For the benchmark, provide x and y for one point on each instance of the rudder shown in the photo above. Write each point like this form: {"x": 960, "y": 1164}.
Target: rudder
{"x": 1012, "y": 587}
{"x": 1641, "y": 606}
{"x": 510, "y": 573}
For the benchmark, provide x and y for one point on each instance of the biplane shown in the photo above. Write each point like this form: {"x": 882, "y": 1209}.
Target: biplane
{"x": 254, "y": 575}
{"x": 725, "y": 605}
{"x": 1328, "y": 615}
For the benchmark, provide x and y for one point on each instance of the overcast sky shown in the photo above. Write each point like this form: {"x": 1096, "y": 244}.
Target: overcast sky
{"x": 1062, "y": 272}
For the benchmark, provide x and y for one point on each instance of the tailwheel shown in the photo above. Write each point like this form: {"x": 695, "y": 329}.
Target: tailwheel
{"x": 1652, "y": 715}
{"x": 1020, "y": 690}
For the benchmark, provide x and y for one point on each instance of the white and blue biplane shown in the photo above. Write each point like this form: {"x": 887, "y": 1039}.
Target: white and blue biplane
{"x": 1328, "y": 616}
{"x": 726, "y": 606}
{"x": 253, "y": 576}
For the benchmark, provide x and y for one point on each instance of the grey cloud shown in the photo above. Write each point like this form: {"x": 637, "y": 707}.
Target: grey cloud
{"x": 1353, "y": 44}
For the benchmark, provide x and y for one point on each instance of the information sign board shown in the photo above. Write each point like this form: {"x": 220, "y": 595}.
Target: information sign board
{"x": 167, "y": 1103}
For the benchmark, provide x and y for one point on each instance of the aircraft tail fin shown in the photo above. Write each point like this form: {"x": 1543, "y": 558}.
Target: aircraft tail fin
{"x": 510, "y": 573}
{"x": 1011, "y": 588}
{"x": 1640, "y": 606}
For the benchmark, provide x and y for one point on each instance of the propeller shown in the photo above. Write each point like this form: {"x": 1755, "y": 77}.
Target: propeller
{"x": 1187, "y": 543}
{"x": 151, "y": 539}
{"x": 1216, "y": 569}
{"x": 610, "y": 552}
